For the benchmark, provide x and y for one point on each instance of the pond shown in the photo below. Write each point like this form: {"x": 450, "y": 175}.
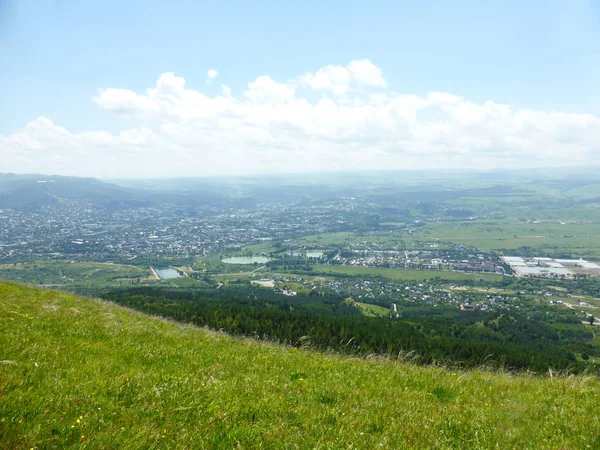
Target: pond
{"x": 246, "y": 260}
{"x": 167, "y": 274}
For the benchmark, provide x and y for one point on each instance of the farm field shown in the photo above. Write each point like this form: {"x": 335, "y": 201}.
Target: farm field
{"x": 401, "y": 274}
{"x": 548, "y": 238}
{"x": 325, "y": 239}
{"x": 67, "y": 275}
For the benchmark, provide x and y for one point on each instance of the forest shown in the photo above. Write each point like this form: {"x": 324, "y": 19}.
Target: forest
{"x": 426, "y": 335}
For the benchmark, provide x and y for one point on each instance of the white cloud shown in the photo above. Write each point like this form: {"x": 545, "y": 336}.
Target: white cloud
{"x": 273, "y": 127}
{"x": 339, "y": 79}
{"x": 211, "y": 75}
{"x": 365, "y": 72}
{"x": 333, "y": 78}
{"x": 264, "y": 90}
{"x": 226, "y": 90}
{"x": 123, "y": 102}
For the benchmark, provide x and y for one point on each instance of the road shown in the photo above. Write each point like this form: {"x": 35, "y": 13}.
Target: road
{"x": 156, "y": 277}
{"x": 596, "y": 319}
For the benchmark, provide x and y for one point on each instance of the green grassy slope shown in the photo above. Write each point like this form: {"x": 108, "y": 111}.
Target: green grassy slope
{"x": 76, "y": 372}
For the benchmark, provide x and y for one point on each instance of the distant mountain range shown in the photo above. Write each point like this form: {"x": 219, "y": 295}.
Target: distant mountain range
{"x": 29, "y": 192}
{"x": 26, "y": 192}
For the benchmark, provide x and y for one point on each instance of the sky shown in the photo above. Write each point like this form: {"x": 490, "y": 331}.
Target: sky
{"x": 153, "y": 89}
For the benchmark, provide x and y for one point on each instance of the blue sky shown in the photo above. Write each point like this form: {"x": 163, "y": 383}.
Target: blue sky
{"x": 55, "y": 55}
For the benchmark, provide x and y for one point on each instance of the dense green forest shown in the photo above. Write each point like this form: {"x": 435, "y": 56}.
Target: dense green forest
{"x": 514, "y": 341}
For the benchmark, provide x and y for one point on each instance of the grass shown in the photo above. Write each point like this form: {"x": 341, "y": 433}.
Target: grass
{"x": 327, "y": 239}
{"x": 187, "y": 282}
{"x": 373, "y": 310}
{"x": 580, "y": 239}
{"x": 263, "y": 247}
{"x": 234, "y": 277}
{"x": 296, "y": 287}
{"x": 368, "y": 309}
{"x": 401, "y": 274}
{"x": 74, "y": 274}
{"x": 511, "y": 234}
{"x": 80, "y": 373}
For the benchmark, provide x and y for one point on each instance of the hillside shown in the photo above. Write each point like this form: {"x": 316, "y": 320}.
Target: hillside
{"x": 76, "y": 372}
{"x": 30, "y": 192}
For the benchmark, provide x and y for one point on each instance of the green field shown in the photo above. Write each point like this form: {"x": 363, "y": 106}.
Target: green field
{"x": 232, "y": 277}
{"x": 347, "y": 238}
{"x": 187, "y": 282}
{"x": 296, "y": 287}
{"x": 547, "y": 237}
{"x": 370, "y": 309}
{"x": 80, "y": 373}
{"x": 550, "y": 238}
{"x": 71, "y": 275}
{"x": 401, "y": 274}
{"x": 326, "y": 239}
{"x": 263, "y": 247}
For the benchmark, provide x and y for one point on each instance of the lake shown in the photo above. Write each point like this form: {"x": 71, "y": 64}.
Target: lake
{"x": 246, "y": 260}
{"x": 167, "y": 274}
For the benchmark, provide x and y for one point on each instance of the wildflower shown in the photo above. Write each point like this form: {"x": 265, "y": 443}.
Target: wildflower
{"x": 82, "y": 437}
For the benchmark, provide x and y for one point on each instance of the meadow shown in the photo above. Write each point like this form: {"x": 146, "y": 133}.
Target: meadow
{"x": 70, "y": 275}
{"x": 402, "y": 274}
{"x": 552, "y": 238}
{"x": 80, "y": 373}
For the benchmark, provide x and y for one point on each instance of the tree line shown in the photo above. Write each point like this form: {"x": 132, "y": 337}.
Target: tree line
{"x": 327, "y": 323}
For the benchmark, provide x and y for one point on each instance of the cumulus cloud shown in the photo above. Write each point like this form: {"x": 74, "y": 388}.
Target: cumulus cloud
{"x": 226, "y": 90}
{"x": 347, "y": 120}
{"x": 211, "y": 75}
{"x": 340, "y": 79}
{"x": 122, "y": 101}
{"x": 264, "y": 90}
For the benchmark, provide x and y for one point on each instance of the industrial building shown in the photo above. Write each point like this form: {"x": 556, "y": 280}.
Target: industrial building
{"x": 551, "y": 268}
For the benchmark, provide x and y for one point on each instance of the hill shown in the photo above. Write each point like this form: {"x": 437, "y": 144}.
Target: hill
{"x": 77, "y": 372}
{"x": 29, "y": 192}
